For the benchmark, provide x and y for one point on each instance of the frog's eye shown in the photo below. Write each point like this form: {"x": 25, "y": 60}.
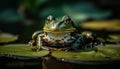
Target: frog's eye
{"x": 50, "y": 18}
{"x": 65, "y": 18}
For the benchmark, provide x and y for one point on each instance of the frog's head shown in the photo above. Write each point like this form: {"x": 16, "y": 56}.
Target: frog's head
{"x": 58, "y": 25}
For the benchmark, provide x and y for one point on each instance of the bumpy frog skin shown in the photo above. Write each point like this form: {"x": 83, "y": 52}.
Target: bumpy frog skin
{"x": 57, "y": 34}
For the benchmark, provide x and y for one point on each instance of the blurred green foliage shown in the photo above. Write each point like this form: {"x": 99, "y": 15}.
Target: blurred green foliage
{"x": 78, "y": 11}
{"x": 10, "y": 16}
{"x": 24, "y": 17}
{"x": 32, "y": 5}
{"x": 21, "y": 50}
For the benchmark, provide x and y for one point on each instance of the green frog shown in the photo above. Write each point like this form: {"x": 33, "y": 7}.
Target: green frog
{"x": 57, "y": 34}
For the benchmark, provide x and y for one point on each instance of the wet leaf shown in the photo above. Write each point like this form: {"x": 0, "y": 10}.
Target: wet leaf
{"x": 114, "y": 38}
{"x": 108, "y": 52}
{"x": 21, "y": 50}
{"x": 6, "y": 37}
{"x": 102, "y": 25}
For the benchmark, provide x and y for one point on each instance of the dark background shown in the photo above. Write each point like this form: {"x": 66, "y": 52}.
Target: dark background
{"x": 23, "y": 17}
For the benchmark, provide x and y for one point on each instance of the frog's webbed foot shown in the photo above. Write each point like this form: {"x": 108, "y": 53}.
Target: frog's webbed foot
{"x": 32, "y": 44}
{"x": 98, "y": 43}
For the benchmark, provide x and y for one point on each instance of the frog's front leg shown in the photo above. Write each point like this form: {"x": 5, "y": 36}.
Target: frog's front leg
{"x": 78, "y": 43}
{"x": 40, "y": 42}
{"x": 36, "y": 41}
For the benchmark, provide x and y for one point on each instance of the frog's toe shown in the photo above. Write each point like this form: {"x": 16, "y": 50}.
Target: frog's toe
{"x": 34, "y": 50}
{"x": 30, "y": 43}
{"x": 39, "y": 49}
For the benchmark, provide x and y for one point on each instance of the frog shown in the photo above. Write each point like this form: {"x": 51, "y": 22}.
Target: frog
{"x": 58, "y": 34}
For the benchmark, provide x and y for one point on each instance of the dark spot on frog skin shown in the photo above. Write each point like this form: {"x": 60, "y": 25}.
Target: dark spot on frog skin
{"x": 52, "y": 39}
{"x": 57, "y": 41}
{"x": 65, "y": 37}
{"x": 62, "y": 39}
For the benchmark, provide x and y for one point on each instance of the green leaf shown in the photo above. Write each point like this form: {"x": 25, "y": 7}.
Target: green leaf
{"x": 104, "y": 53}
{"x": 113, "y": 38}
{"x": 21, "y": 50}
{"x": 113, "y": 25}
{"x": 6, "y": 37}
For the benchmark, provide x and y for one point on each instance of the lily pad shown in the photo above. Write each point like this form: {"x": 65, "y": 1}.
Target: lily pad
{"x": 102, "y": 25}
{"x": 114, "y": 38}
{"x": 6, "y": 37}
{"x": 100, "y": 53}
{"x": 21, "y": 50}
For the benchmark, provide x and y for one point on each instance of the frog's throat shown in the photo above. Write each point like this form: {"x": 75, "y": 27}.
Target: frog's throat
{"x": 57, "y": 36}
{"x": 61, "y": 38}
{"x": 59, "y": 31}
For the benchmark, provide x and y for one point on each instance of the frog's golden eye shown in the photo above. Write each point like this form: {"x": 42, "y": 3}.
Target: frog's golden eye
{"x": 66, "y": 18}
{"x": 50, "y": 18}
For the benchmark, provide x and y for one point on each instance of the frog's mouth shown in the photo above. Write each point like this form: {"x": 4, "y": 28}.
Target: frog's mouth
{"x": 60, "y": 31}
